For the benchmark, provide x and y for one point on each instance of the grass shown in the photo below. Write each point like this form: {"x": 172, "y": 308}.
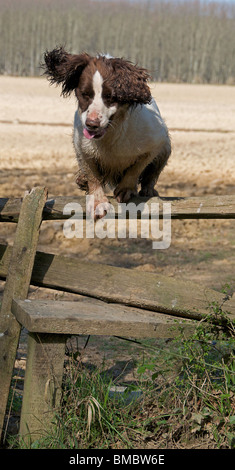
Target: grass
{"x": 187, "y": 400}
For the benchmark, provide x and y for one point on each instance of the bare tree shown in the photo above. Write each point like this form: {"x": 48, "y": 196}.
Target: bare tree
{"x": 177, "y": 41}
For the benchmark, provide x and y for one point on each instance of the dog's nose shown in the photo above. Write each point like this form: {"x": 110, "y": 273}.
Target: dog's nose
{"x": 92, "y": 124}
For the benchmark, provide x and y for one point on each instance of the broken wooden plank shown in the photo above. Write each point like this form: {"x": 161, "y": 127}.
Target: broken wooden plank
{"x": 149, "y": 291}
{"x": 201, "y": 207}
{"x": 20, "y": 265}
{"x": 94, "y": 317}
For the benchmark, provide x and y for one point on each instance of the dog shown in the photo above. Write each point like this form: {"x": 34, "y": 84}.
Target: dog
{"x": 120, "y": 138}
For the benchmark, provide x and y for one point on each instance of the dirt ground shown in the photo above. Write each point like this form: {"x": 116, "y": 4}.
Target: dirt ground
{"x": 36, "y": 149}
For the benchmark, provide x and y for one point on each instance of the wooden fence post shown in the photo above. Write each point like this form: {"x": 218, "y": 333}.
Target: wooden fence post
{"x": 42, "y": 387}
{"x": 17, "y": 285}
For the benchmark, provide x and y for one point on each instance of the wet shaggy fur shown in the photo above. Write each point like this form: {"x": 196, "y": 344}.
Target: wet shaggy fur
{"x": 128, "y": 82}
{"x": 120, "y": 138}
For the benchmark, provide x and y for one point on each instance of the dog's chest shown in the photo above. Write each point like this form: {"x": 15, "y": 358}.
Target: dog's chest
{"x": 112, "y": 154}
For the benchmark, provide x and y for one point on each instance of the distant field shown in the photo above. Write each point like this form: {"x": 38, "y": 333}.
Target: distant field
{"x": 36, "y": 149}
{"x": 36, "y": 129}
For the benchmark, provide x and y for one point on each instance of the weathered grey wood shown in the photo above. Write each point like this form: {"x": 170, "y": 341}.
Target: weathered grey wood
{"x": 113, "y": 284}
{"x": 42, "y": 385}
{"x": 188, "y": 207}
{"x": 18, "y": 279}
{"x": 5, "y": 256}
{"x": 203, "y": 207}
{"x": 124, "y": 286}
{"x": 94, "y": 317}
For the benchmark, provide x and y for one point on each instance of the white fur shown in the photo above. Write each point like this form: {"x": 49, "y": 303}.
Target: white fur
{"x": 120, "y": 154}
{"x": 97, "y": 107}
{"x": 134, "y": 131}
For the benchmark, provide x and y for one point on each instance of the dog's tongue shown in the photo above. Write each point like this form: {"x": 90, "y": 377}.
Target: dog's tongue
{"x": 87, "y": 134}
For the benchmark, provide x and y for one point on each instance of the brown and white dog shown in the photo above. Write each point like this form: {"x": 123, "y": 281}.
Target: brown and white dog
{"x": 119, "y": 136}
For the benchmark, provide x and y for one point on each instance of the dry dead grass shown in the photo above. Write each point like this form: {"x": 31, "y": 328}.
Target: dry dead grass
{"x": 201, "y": 119}
{"x": 36, "y": 149}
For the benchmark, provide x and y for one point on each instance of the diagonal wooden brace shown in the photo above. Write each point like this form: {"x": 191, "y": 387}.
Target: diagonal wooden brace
{"x": 17, "y": 285}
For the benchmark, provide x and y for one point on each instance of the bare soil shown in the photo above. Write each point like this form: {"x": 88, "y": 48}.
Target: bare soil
{"x": 36, "y": 149}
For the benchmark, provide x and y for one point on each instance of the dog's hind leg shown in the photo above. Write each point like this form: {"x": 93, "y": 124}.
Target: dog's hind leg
{"x": 150, "y": 175}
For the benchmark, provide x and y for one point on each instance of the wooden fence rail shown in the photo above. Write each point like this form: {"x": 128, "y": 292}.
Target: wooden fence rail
{"x": 149, "y": 291}
{"x": 205, "y": 207}
{"x": 112, "y": 301}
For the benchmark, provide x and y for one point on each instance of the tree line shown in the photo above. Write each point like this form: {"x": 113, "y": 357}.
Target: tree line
{"x": 177, "y": 41}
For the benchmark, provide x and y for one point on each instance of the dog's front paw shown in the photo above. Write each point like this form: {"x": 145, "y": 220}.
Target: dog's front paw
{"x": 148, "y": 192}
{"x": 98, "y": 208}
{"x": 101, "y": 209}
{"x": 124, "y": 194}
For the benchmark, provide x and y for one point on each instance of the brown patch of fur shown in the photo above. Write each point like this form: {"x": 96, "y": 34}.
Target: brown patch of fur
{"x": 128, "y": 82}
{"x": 81, "y": 181}
{"x": 64, "y": 68}
{"x": 124, "y": 82}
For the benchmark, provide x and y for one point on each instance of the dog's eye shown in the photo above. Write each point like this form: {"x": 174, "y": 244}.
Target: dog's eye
{"x": 85, "y": 95}
{"x": 108, "y": 96}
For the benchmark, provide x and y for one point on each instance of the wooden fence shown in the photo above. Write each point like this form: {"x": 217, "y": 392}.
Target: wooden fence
{"x": 112, "y": 301}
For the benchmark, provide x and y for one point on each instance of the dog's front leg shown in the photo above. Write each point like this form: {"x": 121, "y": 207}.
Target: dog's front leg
{"x": 90, "y": 179}
{"x": 99, "y": 205}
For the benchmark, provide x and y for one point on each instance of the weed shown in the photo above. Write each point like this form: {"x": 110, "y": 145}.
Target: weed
{"x": 187, "y": 399}
{"x": 204, "y": 384}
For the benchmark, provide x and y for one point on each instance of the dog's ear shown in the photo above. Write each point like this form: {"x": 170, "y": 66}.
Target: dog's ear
{"x": 130, "y": 82}
{"x": 65, "y": 69}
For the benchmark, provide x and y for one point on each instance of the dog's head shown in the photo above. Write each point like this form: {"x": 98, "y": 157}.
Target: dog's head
{"x": 102, "y": 84}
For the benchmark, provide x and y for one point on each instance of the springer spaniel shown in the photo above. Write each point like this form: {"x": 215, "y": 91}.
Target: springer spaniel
{"x": 119, "y": 136}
